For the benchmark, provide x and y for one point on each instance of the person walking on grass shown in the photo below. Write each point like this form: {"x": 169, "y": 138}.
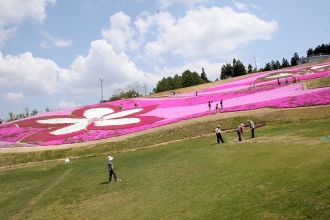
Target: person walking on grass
{"x": 251, "y": 124}
{"x": 111, "y": 170}
{"x": 218, "y": 134}
{"x": 240, "y": 131}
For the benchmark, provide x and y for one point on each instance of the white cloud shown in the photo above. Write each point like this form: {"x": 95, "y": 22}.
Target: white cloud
{"x": 101, "y": 62}
{"x": 14, "y": 12}
{"x": 206, "y": 32}
{"x": 14, "y": 97}
{"x": 64, "y": 105}
{"x": 167, "y": 3}
{"x": 119, "y": 33}
{"x": 240, "y": 6}
{"x": 56, "y": 41}
{"x": 35, "y": 76}
{"x": 255, "y": 6}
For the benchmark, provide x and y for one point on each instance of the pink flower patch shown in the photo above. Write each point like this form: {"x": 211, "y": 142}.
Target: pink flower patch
{"x": 105, "y": 117}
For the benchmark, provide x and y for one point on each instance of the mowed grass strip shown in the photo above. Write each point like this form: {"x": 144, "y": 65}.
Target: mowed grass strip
{"x": 281, "y": 174}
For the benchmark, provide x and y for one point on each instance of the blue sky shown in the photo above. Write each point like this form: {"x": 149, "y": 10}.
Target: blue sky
{"x": 54, "y": 52}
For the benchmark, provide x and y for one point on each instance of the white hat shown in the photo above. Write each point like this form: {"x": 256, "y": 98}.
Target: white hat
{"x": 219, "y": 126}
{"x": 242, "y": 125}
{"x": 110, "y": 158}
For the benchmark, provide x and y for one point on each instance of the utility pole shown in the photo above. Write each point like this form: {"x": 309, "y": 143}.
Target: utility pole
{"x": 101, "y": 90}
{"x": 255, "y": 63}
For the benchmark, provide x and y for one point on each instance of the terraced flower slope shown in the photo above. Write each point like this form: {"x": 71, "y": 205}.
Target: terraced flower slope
{"x": 106, "y": 120}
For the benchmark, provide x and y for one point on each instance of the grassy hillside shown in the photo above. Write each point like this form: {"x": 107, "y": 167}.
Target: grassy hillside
{"x": 203, "y": 126}
{"x": 281, "y": 174}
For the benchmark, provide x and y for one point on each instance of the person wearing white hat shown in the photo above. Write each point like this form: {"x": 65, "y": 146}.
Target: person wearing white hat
{"x": 111, "y": 170}
{"x": 218, "y": 134}
{"x": 240, "y": 131}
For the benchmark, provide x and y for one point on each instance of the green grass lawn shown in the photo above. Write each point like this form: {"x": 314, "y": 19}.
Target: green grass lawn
{"x": 281, "y": 174}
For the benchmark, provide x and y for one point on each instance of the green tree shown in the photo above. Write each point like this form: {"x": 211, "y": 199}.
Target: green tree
{"x": 294, "y": 59}
{"x": 239, "y": 68}
{"x": 11, "y": 116}
{"x": 275, "y": 65}
{"x": 268, "y": 67}
{"x": 226, "y": 71}
{"x": 26, "y": 112}
{"x": 191, "y": 79}
{"x": 34, "y": 112}
{"x": 310, "y": 52}
{"x": 177, "y": 80}
{"x": 204, "y": 77}
{"x": 250, "y": 68}
{"x": 285, "y": 63}
{"x": 187, "y": 79}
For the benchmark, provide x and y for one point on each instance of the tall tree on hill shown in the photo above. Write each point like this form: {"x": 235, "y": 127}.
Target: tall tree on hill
{"x": 163, "y": 85}
{"x": 250, "y": 68}
{"x": 294, "y": 60}
{"x": 285, "y": 63}
{"x": 204, "y": 77}
{"x": 268, "y": 67}
{"x": 191, "y": 79}
{"x": 310, "y": 52}
{"x": 275, "y": 65}
{"x": 226, "y": 70}
{"x": 177, "y": 82}
{"x": 239, "y": 68}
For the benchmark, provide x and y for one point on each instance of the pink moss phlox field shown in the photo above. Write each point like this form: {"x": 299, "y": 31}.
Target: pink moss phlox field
{"x": 251, "y": 92}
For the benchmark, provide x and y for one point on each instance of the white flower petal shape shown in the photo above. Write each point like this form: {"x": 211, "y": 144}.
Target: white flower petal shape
{"x": 318, "y": 67}
{"x": 120, "y": 121}
{"x": 122, "y": 114}
{"x": 72, "y": 128}
{"x": 61, "y": 120}
{"x": 97, "y": 112}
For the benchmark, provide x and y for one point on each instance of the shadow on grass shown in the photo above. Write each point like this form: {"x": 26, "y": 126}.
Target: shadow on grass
{"x": 105, "y": 182}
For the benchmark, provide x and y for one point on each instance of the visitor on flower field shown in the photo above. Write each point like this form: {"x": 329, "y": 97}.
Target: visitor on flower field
{"x": 286, "y": 80}
{"x": 216, "y": 109}
{"x": 240, "y": 131}
{"x": 218, "y": 134}
{"x": 209, "y": 105}
{"x": 196, "y": 93}
{"x": 111, "y": 170}
{"x": 251, "y": 124}
{"x": 136, "y": 104}
{"x": 278, "y": 81}
{"x": 221, "y": 104}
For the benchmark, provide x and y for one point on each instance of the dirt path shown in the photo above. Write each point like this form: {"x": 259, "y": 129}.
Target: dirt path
{"x": 215, "y": 117}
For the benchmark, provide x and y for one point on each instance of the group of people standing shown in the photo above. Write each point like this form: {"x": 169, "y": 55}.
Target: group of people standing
{"x": 239, "y": 130}
{"x": 294, "y": 80}
{"x": 216, "y": 106}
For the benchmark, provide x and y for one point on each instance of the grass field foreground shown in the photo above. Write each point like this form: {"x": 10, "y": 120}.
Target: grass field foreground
{"x": 281, "y": 174}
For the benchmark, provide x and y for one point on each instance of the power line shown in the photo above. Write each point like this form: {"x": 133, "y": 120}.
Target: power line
{"x": 281, "y": 55}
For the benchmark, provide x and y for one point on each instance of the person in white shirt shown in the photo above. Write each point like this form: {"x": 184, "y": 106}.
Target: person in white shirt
{"x": 218, "y": 134}
{"x": 251, "y": 124}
